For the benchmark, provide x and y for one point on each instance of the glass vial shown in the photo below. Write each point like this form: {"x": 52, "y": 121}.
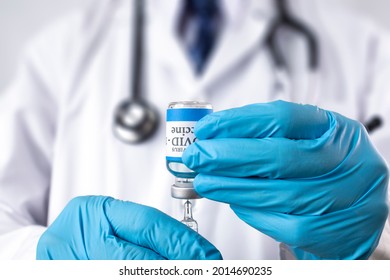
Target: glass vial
{"x": 181, "y": 119}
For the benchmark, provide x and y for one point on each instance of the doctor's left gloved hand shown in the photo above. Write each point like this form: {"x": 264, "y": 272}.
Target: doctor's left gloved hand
{"x": 307, "y": 177}
{"x": 104, "y": 228}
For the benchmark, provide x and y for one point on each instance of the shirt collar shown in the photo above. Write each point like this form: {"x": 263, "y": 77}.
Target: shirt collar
{"x": 168, "y": 11}
{"x": 235, "y": 10}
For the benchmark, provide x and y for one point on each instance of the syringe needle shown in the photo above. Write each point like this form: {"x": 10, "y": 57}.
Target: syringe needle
{"x": 188, "y": 220}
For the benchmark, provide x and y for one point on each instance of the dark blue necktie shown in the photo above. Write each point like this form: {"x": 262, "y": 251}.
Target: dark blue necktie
{"x": 205, "y": 18}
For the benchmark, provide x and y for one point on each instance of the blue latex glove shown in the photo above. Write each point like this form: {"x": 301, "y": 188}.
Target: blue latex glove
{"x": 97, "y": 227}
{"x": 304, "y": 176}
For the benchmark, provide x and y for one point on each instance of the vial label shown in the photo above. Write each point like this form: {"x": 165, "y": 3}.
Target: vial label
{"x": 179, "y": 136}
{"x": 180, "y": 130}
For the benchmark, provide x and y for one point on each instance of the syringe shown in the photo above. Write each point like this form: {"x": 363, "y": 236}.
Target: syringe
{"x": 188, "y": 219}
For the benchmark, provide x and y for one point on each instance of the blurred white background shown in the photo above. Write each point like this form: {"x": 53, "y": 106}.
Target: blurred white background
{"x": 20, "y": 19}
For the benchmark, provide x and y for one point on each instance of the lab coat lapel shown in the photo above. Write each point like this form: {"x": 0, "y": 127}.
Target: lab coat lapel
{"x": 166, "y": 49}
{"x": 239, "y": 37}
{"x": 235, "y": 44}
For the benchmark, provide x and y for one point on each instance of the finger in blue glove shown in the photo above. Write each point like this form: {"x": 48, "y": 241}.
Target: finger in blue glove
{"x": 98, "y": 227}
{"x": 307, "y": 177}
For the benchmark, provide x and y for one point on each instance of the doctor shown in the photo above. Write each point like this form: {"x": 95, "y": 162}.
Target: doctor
{"x": 286, "y": 180}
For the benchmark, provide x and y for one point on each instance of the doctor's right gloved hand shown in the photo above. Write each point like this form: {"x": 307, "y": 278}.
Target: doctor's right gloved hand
{"x": 103, "y": 228}
{"x": 307, "y": 177}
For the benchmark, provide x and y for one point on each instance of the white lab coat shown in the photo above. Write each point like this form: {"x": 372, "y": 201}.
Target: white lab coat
{"x": 56, "y": 117}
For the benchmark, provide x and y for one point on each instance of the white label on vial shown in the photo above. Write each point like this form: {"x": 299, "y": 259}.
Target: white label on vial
{"x": 180, "y": 130}
{"x": 180, "y": 134}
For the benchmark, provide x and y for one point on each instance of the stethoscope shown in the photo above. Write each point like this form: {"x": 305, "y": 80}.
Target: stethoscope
{"x": 136, "y": 120}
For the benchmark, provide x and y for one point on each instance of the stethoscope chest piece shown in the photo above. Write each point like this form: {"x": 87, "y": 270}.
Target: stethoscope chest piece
{"x": 135, "y": 121}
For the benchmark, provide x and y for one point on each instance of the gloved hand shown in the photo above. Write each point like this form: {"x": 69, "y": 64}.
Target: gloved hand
{"x": 97, "y": 227}
{"x": 304, "y": 176}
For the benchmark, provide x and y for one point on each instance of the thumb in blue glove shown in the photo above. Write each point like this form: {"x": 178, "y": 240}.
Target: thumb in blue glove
{"x": 97, "y": 227}
{"x": 307, "y": 177}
